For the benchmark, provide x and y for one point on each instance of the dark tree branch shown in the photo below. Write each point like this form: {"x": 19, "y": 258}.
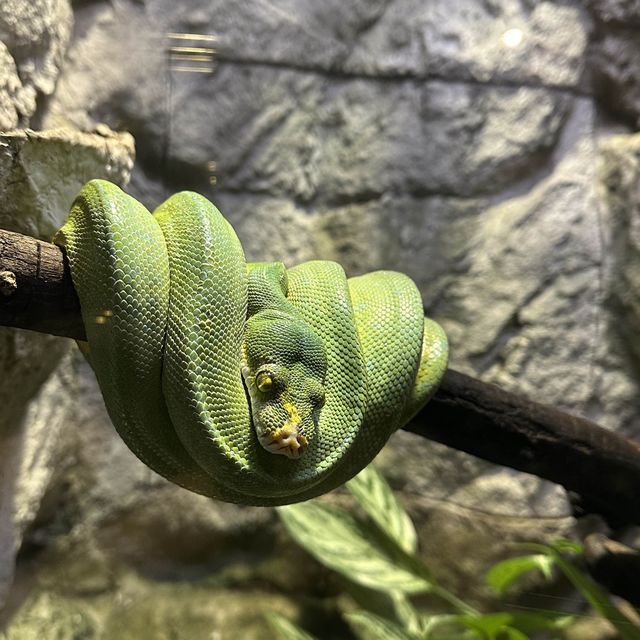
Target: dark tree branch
{"x": 36, "y": 293}
{"x": 602, "y": 467}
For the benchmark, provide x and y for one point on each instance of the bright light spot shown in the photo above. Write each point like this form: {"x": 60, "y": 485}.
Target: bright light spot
{"x": 512, "y": 37}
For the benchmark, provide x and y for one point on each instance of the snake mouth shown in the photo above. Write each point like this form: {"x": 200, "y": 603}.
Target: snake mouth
{"x": 287, "y": 441}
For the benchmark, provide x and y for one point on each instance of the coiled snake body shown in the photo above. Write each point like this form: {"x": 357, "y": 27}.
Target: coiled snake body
{"x": 210, "y": 367}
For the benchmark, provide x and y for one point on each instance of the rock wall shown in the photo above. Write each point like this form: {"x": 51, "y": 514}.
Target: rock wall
{"x": 34, "y": 35}
{"x": 484, "y": 148}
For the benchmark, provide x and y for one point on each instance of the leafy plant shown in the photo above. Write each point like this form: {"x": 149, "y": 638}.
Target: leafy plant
{"x": 545, "y": 558}
{"x": 379, "y": 552}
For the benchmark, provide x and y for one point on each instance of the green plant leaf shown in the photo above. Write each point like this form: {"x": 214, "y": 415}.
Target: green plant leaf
{"x": 599, "y": 599}
{"x": 488, "y": 625}
{"x": 514, "y": 634}
{"x": 285, "y": 629}
{"x": 508, "y": 624}
{"x": 368, "y": 626}
{"x": 376, "y": 497}
{"x": 594, "y": 594}
{"x": 532, "y": 621}
{"x": 432, "y": 626}
{"x": 353, "y": 548}
{"x": 564, "y": 545}
{"x": 405, "y": 613}
{"x": 503, "y": 574}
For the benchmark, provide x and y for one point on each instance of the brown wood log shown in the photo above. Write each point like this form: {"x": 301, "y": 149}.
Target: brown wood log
{"x": 36, "y": 292}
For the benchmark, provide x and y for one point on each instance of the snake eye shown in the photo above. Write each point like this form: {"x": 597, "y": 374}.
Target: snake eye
{"x": 264, "y": 381}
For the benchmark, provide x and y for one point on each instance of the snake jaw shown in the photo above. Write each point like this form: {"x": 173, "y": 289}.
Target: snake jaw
{"x": 287, "y": 441}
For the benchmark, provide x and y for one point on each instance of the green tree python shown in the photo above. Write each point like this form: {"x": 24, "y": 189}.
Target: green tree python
{"x": 246, "y": 382}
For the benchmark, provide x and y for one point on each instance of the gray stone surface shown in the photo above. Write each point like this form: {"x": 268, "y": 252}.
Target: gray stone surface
{"x": 475, "y": 41}
{"x": 620, "y": 177}
{"x": 619, "y": 352}
{"x": 461, "y": 40}
{"x": 41, "y": 173}
{"x": 359, "y": 139}
{"x": 34, "y": 35}
{"x": 305, "y": 135}
{"x": 35, "y": 409}
{"x": 14, "y": 99}
{"x": 615, "y": 70}
{"x": 614, "y": 58}
{"x": 171, "y": 611}
{"x": 534, "y": 258}
{"x": 621, "y": 12}
{"x": 130, "y": 92}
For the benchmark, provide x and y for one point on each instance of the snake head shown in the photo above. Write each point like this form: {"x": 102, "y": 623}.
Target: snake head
{"x": 284, "y": 366}
{"x": 285, "y": 407}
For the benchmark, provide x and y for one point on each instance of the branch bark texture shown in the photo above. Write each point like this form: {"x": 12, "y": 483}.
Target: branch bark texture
{"x": 36, "y": 290}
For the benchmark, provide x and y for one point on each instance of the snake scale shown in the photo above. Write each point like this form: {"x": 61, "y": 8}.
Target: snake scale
{"x": 246, "y": 382}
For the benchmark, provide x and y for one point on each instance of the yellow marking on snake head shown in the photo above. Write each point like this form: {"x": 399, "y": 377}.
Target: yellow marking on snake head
{"x": 287, "y": 440}
{"x": 291, "y": 409}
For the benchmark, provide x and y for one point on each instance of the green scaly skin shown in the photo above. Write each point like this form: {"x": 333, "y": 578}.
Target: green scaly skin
{"x": 210, "y": 367}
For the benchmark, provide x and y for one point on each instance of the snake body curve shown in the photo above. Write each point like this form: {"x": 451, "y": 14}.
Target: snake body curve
{"x": 211, "y": 367}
